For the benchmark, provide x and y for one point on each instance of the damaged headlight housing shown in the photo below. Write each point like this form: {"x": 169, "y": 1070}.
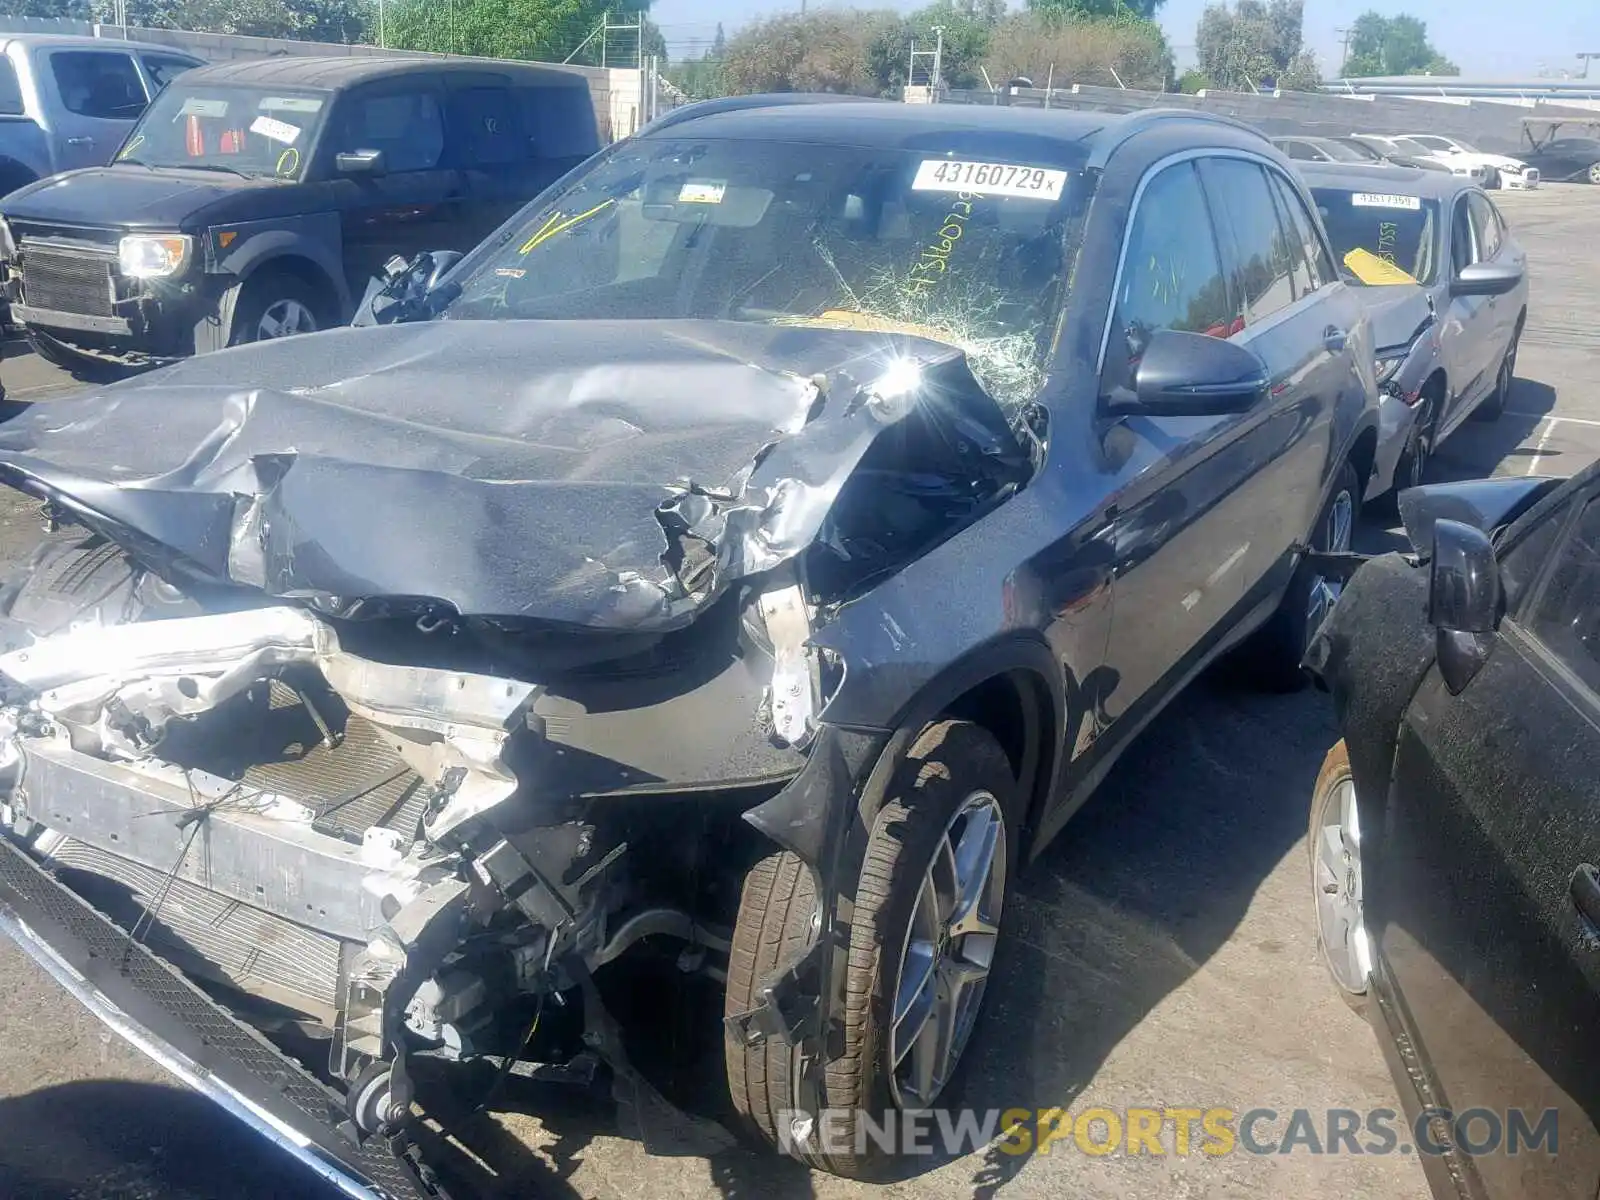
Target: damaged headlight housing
{"x": 154, "y": 256}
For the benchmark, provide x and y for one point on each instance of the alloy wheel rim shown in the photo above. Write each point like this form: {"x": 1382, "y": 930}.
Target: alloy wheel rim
{"x": 1594, "y": 173}
{"x": 948, "y": 952}
{"x": 1337, "y": 532}
{"x": 1336, "y": 876}
{"x": 285, "y": 318}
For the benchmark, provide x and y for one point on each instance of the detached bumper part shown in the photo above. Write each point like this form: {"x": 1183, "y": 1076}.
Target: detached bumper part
{"x": 177, "y": 1025}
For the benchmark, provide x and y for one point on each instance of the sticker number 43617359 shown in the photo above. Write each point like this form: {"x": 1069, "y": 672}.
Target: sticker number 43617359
{"x": 989, "y": 179}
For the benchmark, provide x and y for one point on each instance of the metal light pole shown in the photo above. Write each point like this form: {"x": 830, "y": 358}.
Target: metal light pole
{"x": 383, "y": 41}
{"x": 938, "y": 56}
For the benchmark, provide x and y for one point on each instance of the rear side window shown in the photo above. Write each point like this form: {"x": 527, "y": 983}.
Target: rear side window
{"x": 486, "y": 127}
{"x": 10, "y": 89}
{"x": 559, "y": 121}
{"x": 1256, "y": 255}
{"x": 1302, "y": 229}
{"x": 1566, "y": 615}
{"x": 163, "y": 69}
{"x": 1171, "y": 273}
{"x": 96, "y": 83}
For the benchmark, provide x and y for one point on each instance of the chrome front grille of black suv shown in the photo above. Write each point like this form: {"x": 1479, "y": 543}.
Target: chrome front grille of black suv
{"x": 66, "y": 280}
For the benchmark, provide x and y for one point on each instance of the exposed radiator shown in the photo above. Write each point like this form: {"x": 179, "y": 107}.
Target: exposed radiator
{"x": 256, "y": 951}
{"x": 66, "y": 282}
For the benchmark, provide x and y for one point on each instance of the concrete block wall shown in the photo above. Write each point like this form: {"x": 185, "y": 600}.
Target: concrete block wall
{"x": 1492, "y": 125}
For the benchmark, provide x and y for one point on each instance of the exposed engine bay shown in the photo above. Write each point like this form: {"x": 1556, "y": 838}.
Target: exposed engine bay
{"x": 394, "y": 717}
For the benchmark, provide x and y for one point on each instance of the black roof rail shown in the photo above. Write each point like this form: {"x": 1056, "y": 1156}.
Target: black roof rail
{"x": 706, "y": 108}
{"x": 1137, "y": 122}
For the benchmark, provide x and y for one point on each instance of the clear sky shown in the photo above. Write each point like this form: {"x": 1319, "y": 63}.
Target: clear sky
{"x": 1494, "y": 38}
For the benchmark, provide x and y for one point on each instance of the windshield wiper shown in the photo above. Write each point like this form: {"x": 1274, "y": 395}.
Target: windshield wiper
{"x": 133, "y": 162}
{"x": 217, "y": 167}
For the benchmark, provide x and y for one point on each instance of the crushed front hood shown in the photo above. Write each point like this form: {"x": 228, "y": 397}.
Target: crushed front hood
{"x": 596, "y": 474}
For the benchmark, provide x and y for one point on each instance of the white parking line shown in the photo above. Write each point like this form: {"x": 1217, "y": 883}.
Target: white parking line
{"x": 1554, "y": 420}
{"x": 1538, "y": 452}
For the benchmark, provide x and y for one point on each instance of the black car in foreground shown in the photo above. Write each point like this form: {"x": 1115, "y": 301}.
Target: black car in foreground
{"x": 254, "y": 199}
{"x": 757, "y": 549}
{"x": 1455, "y": 831}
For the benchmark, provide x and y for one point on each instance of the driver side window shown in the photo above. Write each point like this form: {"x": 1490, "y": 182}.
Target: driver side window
{"x": 1565, "y": 614}
{"x": 1171, "y": 273}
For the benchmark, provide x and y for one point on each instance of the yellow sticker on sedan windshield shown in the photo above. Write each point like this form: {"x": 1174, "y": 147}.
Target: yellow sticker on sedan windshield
{"x": 989, "y": 179}
{"x": 1371, "y": 269}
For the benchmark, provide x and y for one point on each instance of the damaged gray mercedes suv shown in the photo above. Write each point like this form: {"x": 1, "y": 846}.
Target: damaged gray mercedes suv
{"x": 758, "y": 548}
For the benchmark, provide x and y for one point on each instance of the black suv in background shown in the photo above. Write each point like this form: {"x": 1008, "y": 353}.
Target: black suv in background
{"x": 253, "y": 199}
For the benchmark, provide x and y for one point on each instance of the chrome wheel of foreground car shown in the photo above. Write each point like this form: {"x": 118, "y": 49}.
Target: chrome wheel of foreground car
{"x": 949, "y": 948}
{"x": 925, "y": 924}
{"x": 1334, "y": 842}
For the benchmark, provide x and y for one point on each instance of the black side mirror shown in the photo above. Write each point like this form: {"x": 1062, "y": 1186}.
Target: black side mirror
{"x": 1192, "y": 375}
{"x": 1486, "y": 279}
{"x": 360, "y": 162}
{"x": 1463, "y": 600}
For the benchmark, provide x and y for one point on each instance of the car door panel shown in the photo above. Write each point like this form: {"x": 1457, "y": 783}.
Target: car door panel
{"x": 1494, "y": 809}
{"x": 419, "y": 202}
{"x": 1171, "y": 530}
{"x": 1468, "y": 321}
{"x": 98, "y": 94}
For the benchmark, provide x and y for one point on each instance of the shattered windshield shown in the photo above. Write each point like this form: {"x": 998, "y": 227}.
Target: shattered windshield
{"x": 971, "y": 253}
{"x": 1384, "y": 238}
{"x": 245, "y": 130}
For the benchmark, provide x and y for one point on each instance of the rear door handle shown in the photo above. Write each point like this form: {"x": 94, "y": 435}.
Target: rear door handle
{"x": 80, "y": 141}
{"x": 1586, "y": 894}
{"x": 1335, "y": 339}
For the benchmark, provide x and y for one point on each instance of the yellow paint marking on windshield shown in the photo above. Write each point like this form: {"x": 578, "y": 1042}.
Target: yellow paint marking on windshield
{"x": 288, "y": 162}
{"x": 132, "y": 146}
{"x": 838, "y": 318}
{"x": 1371, "y": 269}
{"x": 556, "y": 225}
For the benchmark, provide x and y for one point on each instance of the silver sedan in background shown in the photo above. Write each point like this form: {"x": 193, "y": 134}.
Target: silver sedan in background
{"x": 1446, "y": 286}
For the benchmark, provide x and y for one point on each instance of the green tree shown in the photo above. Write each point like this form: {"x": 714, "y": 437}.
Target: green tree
{"x": 1061, "y": 10}
{"x": 306, "y": 20}
{"x": 966, "y": 27}
{"x": 543, "y": 30}
{"x": 822, "y": 51}
{"x": 1255, "y": 45}
{"x": 1382, "y": 45}
{"x": 1107, "y": 51}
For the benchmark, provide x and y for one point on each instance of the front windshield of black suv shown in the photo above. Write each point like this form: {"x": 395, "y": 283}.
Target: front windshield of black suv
{"x": 971, "y": 253}
{"x": 247, "y": 130}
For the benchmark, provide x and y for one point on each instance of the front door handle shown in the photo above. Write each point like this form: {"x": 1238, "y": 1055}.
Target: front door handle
{"x": 80, "y": 141}
{"x": 1586, "y": 894}
{"x": 1335, "y": 339}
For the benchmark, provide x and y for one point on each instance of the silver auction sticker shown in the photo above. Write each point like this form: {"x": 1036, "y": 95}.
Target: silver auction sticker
{"x": 1379, "y": 200}
{"x": 989, "y": 179}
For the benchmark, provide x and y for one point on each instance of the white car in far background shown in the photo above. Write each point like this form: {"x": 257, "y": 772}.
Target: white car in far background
{"x": 1411, "y": 148}
{"x": 1501, "y": 170}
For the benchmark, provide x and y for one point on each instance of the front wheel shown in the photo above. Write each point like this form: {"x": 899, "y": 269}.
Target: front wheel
{"x": 1593, "y": 173}
{"x": 926, "y": 920}
{"x": 277, "y": 305}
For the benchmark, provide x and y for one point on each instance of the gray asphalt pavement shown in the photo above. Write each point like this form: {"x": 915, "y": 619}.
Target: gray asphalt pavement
{"x": 1160, "y": 954}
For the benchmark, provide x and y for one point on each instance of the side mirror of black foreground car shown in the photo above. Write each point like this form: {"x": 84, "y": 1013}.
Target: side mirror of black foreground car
{"x": 1463, "y": 600}
{"x": 1190, "y": 375}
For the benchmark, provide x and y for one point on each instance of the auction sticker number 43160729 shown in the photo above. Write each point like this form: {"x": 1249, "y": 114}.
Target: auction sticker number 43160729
{"x": 989, "y": 179}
